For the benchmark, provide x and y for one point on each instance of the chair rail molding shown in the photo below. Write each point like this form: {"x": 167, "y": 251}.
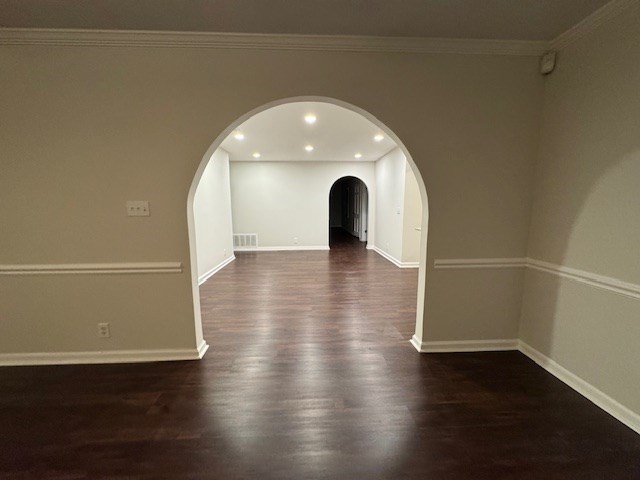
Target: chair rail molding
{"x": 92, "y": 268}
{"x": 614, "y": 408}
{"x": 603, "y": 282}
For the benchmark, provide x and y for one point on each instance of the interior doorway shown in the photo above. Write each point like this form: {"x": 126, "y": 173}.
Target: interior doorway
{"x": 348, "y": 210}
{"x": 274, "y": 151}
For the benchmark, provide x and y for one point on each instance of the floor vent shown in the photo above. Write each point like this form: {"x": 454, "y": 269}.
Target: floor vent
{"x": 245, "y": 241}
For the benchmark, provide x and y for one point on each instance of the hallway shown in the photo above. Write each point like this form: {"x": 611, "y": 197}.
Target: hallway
{"x": 347, "y": 299}
{"x": 310, "y": 375}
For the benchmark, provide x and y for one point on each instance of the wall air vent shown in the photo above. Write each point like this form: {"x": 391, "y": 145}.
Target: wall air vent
{"x": 245, "y": 241}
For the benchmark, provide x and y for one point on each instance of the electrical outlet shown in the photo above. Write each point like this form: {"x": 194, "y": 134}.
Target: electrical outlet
{"x": 138, "y": 208}
{"x": 295, "y": 240}
{"x": 104, "y": 330}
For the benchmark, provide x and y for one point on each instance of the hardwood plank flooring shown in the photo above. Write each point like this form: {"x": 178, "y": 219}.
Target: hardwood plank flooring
{"x": 310, "y": 376}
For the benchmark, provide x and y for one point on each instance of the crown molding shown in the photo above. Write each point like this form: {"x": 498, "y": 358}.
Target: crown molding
{"x": 604, "y": 14}
{"x": 332, "y": 43}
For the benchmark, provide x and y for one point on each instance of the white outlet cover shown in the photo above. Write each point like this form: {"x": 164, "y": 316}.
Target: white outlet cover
{"x": 138, "y": 208}
{"x": 104, "y": 330}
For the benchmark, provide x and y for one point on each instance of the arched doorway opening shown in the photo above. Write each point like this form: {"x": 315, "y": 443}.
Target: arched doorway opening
{"x": 348, "y": 211}
{"x": 215, "y": 146}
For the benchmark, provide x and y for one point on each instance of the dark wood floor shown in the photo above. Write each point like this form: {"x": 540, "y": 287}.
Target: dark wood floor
{"x": 310, "y": 376}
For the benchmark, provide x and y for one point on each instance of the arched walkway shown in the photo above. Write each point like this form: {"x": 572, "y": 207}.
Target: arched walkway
{"x": 233, "y": 126}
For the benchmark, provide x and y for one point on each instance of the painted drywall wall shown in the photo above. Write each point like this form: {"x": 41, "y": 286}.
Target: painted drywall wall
{"x": 411, "y": 218}
{"x": 585, "y": 213}
{"x": 85, "y": 128}
{"x": 212, "y": 215}
{"x": 287, "y": 203}
{"x": 390, "y": 180}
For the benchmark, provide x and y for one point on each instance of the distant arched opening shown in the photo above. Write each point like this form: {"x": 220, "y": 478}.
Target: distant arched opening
{"x": 348, "y": 211}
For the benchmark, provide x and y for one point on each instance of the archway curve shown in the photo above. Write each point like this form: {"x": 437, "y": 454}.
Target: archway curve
{"x": 193, "y": 259}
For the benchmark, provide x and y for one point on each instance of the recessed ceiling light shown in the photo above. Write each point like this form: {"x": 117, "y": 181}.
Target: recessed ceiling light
{"x": 238, "y": 136}
{"x": 309, "y": 148}
{"x": 379, "y": 137}
{"x": 358, "y": 155}
{"x": 310, "y": 119}
{"x": 256, "y": 155}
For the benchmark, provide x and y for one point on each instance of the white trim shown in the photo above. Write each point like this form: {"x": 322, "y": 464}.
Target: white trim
{"x": 202, "y": 348}
{"x": 480, "y": 263}
{"x": 614, "y": 408}
{"x": 593, "y": 279}
{"x": 282, "y": 249}
{"x": 206, "y": 276}
{"x": 416, "y": 342}
{"x": 596, "y": 280}
{"x": 587, "y": 26}
{"x": 115, "y": 356}
{"x": 497, "y": 345}
{"x": 392, "y": 259}
{"x": 92, "y": 268}
{"x": 334, "y": 43}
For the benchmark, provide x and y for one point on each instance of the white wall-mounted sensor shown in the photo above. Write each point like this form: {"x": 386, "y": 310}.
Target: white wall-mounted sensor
{"x": 548, "y": 63}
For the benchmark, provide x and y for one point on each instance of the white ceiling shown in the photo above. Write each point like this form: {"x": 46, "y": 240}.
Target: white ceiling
{"x": 485, "y": 19}
{"x": 281, "y": 133}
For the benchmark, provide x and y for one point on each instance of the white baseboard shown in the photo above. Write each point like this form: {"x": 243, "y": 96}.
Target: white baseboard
{"x": 202, "y": 349}
{"x": 603, "y": 282}
{"x": 115, "y": 356}
{"x": 285, "y": 248}
{"x": 392, "y": 259}
{"x": 614, "y": 408}
{"x": 417, "y": 344}
{"x": 206, "y": 276}
{"x": 459, "y": 263}
{"x": 464, "y": 345}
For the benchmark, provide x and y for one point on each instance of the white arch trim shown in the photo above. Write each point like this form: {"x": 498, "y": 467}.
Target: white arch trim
{"x": 193, "y": 260}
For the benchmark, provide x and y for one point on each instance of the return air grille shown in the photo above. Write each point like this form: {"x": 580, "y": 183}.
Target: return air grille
{"x": 245, "y": 241}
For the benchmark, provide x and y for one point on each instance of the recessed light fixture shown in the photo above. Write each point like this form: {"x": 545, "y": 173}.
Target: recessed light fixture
{"x": 256, "y": 155}
{"x": 238, "y": 136}
{"x": 379, "y": 137}
{"x": 358, "y": 155}
{"x": 309, "y": 148}
{"x": 310, "y": 118}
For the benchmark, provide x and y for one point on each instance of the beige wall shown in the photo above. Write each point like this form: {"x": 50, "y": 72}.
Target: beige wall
{"x": 287, "y": 203}
{"x": 585, "y": 213}
{"x": 212, "y": 215}
{"x": 86, "y": 128}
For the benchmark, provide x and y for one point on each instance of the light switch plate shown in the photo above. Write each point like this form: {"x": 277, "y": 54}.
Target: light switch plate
{"x": 138, "y": 208}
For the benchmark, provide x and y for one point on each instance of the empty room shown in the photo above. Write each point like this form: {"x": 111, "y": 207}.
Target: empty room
{"x": 324, "y": 240}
